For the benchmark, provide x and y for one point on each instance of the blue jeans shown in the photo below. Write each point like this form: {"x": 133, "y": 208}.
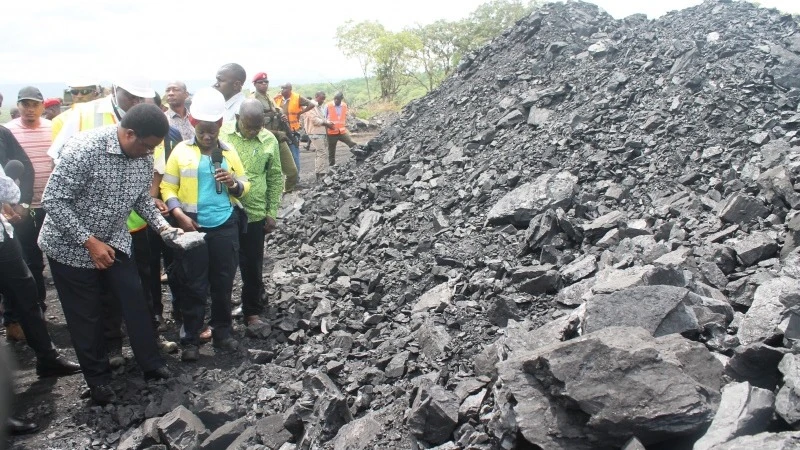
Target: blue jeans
{"x": 296, "y": 156}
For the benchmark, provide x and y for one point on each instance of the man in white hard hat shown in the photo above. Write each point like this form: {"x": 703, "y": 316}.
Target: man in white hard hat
{"x": 125, "y": 94}
{"x": 202, "y": 183}
{"x": 83, "y": 90}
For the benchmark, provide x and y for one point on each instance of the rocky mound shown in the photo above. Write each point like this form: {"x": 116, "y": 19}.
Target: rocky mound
{"x": 582, "y": 239}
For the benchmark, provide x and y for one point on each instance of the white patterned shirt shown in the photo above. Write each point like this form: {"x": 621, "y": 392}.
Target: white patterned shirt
{"x": 91, "y": 192}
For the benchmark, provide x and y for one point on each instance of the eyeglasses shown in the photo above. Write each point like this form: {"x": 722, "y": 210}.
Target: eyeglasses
{"x": 81, "y": 91}
{"x": 262, "y": 82}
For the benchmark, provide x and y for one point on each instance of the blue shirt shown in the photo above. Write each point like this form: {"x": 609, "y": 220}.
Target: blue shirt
{"x": 212, "y": 209}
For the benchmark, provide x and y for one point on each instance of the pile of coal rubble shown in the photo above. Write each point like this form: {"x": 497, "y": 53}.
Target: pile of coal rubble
{"x": 583, "y": 239}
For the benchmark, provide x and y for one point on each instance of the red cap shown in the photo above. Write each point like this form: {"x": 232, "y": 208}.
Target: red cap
{"x": 52, "y": 102}
{"x": 260, "y": 76}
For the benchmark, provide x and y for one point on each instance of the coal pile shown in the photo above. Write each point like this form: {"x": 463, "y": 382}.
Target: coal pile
{"x": 585, "y": 238}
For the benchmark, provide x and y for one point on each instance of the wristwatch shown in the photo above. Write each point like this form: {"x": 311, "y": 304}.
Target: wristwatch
{"x": 25, "y": 205}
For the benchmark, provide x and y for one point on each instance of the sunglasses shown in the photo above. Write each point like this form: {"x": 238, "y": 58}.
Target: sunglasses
{"x": 262, "y": 82}
{"x": 81, "y": 91}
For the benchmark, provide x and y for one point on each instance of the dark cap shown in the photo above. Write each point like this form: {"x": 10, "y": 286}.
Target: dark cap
{"x": 30, "y": 93}
{"x": 286, "y": 86}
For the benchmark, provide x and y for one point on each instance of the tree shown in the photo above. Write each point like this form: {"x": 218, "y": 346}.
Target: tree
{"x": 489, "y": 20}
{"x": 392, "y": 62}
{"x": 434, "y": 55}
{"x": 359, "y": 41}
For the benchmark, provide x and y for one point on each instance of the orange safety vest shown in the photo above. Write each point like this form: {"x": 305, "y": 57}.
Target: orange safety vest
{"x": 338, "y": 122}
{"x": 293, "y": 109}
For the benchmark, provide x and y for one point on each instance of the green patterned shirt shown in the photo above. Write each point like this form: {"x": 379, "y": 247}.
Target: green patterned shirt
{"x": 262, "y": 163}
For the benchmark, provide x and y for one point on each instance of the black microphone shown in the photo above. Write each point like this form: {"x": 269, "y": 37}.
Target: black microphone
{"x": 14, "y": 169}
{"x": 216, "y": 159}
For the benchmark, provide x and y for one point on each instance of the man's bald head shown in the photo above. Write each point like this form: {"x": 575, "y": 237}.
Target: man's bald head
{"x": 251, "y": 108}
{"x": 236, "y": 71}
{"x": 250, "y": 119}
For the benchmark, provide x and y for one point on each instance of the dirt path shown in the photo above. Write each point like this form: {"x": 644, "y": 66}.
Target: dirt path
{"x": 66, "y": 420}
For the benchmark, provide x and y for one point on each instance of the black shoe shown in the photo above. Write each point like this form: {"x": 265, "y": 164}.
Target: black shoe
{"x": 102, "y": 395}
{"x": 56, "y": 367}
{"x": 16, "y": 426}
{"x": 162, "y": 373}
{"x": 227, "y": 344}
{"x": 190, "y": 353}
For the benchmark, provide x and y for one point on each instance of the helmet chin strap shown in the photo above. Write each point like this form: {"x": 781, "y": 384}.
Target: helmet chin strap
{"x": 117, "y": 110}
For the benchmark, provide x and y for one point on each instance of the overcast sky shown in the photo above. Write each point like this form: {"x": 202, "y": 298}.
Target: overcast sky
{"x": 56, "y": 41}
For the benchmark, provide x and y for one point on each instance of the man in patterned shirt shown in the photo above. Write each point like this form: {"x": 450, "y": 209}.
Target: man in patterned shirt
{"x": 103, "y": 174}
{"x": 258, "y": 150}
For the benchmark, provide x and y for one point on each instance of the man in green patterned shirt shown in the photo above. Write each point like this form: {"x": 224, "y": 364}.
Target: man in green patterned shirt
{"x": 258, "y": 150}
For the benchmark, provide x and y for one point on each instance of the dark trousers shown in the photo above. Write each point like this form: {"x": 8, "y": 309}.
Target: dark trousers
{"x": 19, "y": 285}
{"x": 251, "y": 267}
{"x": 142, "y": 255}
{"x": 27, "y": 233}
{"x": 209, "y": 267}
{"x": 334, "y": 139}
{"x": 159, "y": 249}
{"x": 81, "y": 293}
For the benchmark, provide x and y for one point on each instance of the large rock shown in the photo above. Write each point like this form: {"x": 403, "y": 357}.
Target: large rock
{"x": 743, "y": 208}
{"x": 434, "y": 414}
{"x": 789, "y": 440}
{"x": 774, "y": 305}
{"x": 224, "y": 436}
{"x": 268, "y": 431}
{"x": 613, "y": 280}
{"x": 551, "y": 190}
{"x": 787, "y": 403}
{"x": 778, "y": 184}
{"x": 602, "y": 388}
{"x": 597, "y": 228}
{"x": 434, "y": 340}
{"x": 757, "y": 364}
{"x": 180, "y": 429}
{"x": 438, "y": 298}
{"x": 219, "y": 406}
{"x": 743, "y": 410}
{"x": 755, "y": 247}
{"x": 660, "y": 310}
{"x": 330, "y": 410}
{"x": 358, "y": 434}
{"x": 145, "y": 436}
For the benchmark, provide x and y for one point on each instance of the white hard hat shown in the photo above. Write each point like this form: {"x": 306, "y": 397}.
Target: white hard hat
{"x": 208, "y": 105}
{"x": 140, "y": 87}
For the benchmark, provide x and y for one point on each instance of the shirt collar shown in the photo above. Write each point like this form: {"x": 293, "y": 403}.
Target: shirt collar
{"x": 112, "y": 143}
{"x": 174, "y": 114}
{"x": 233, "y": 100}
{"x": 230, "y": 128}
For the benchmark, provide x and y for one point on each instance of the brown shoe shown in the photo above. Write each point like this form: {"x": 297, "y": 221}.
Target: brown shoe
{"x": 253, "y": 320}
{"x": 14, "y": 332}
{"x": 205, "y": 335}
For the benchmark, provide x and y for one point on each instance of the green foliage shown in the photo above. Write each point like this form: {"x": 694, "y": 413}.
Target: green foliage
{"x": 490, "y": 19}
{"x": 359, "y": 41}
{"x": 423, "y": 55}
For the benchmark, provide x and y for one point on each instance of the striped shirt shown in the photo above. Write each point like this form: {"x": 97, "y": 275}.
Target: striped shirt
{"x": 35, "y": 142}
